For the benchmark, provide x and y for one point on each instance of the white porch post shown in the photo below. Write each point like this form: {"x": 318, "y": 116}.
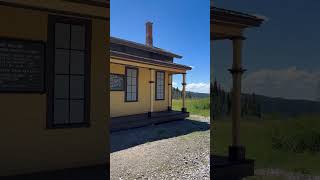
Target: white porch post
{"x": 151, "y": 82}
{"x": 236, "y": 151}
{"x": 184, "y": 109}
{"x": 169, "y": 92}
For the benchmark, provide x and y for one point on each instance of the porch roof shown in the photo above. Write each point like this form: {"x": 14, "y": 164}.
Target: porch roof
{"x": 101, "y": 3}
{"x": 219, "y": 15}
{"x": 149, "y": 61}
{"x": 226, "y": 24}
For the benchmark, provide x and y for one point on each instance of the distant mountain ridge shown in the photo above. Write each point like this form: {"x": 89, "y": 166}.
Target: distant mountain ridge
{"x": 260, "y": 105}
{"x": 288, "y": 107}
{"x": 177, "y": 94}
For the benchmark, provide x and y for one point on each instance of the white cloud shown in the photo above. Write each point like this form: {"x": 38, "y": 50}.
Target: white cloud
{"x": 175, "y": 84}
{"x": 287, "y": 83}
{"x": 198, "y": 87}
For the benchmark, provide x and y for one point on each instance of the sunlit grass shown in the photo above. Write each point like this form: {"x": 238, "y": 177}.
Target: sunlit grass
{"x": 288, "y": 144}
{"x": 200, "y": 106}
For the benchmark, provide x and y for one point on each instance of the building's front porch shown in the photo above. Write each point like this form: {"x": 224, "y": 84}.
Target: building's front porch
{"x": 139, "y": 120}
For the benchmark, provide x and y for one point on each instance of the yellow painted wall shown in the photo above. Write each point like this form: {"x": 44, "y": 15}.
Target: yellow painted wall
{"x": 26, "y": 145}
{"x": 118, "y": 106}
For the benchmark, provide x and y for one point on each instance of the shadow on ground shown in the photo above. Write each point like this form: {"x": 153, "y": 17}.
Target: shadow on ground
{"x": 85, "y": 173}
{"x": 133, "y": 137}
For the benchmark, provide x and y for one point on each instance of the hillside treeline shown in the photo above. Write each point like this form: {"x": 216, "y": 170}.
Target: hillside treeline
{"x": 221, "y": 103}
{"x": 177, "y": 94}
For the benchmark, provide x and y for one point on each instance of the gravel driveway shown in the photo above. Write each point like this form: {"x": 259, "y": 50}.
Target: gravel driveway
{"x": 174, "y": 150}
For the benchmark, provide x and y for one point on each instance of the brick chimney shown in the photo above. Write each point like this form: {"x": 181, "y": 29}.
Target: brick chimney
{"x": 149, "y": 38}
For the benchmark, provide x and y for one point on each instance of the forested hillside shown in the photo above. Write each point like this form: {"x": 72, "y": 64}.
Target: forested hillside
{"x": 177, "y": 94}
{"x": 258, "y": 105}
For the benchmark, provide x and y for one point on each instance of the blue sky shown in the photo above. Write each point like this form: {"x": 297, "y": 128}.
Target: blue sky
{"x": 283, "y": 55}
{"x": 180, "y": 26}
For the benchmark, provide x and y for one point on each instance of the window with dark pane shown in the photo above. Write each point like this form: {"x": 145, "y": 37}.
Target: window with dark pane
{"x": 70, "y": 58}
{"x": 160, "y": 80}
{"x": 132, "y": 84}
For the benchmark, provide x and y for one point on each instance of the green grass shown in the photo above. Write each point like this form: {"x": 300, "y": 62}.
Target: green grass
{"x": 199, "y": 106}
{"x": 265, "y": 178}
{"x": 288, "y": 144}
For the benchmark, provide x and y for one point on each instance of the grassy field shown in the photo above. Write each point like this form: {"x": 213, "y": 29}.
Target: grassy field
{"x": 291, "y": 144}
{"x": 288, "y": 144}
{"x": 194, "y": 106}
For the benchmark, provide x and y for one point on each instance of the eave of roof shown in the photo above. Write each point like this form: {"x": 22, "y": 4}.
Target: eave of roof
{"x": 143, "y": 47}
{"x": 99, "y": 3}
{"x": 150, "y": 61}
{"x": 219, "y": 15}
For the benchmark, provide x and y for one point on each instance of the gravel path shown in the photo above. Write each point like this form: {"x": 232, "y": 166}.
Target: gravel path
{"x": 175, "y": 150}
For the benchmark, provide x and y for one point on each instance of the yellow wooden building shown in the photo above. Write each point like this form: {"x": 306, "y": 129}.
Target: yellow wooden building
{"x": 141, "y": 83}
{"x": 53, "y": 105}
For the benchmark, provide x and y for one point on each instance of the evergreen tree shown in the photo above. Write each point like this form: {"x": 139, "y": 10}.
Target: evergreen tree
{"x": 254, "y": 104}
{"x": 247, "y": 104}
{"x": 253, "y": 98}
{"x": 215, "y": 87}
{"x": 218, "y": 101}
{"x": 215, "y": 99}
{"x": 318, "y": 91}
{"x": 259, "y": 111}
{"x": 176, "y": 93}
{"x": 212, "y": 101}
{"x": 223, "y": 100}
{"x": 229, "y": 103}
{"x": 188, "y": 95}
{"x": 244, "y": 108}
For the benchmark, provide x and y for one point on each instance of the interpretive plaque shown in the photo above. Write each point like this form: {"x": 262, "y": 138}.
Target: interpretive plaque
{"x": 21, "y": 65}
{"x": 116, "y": 82}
